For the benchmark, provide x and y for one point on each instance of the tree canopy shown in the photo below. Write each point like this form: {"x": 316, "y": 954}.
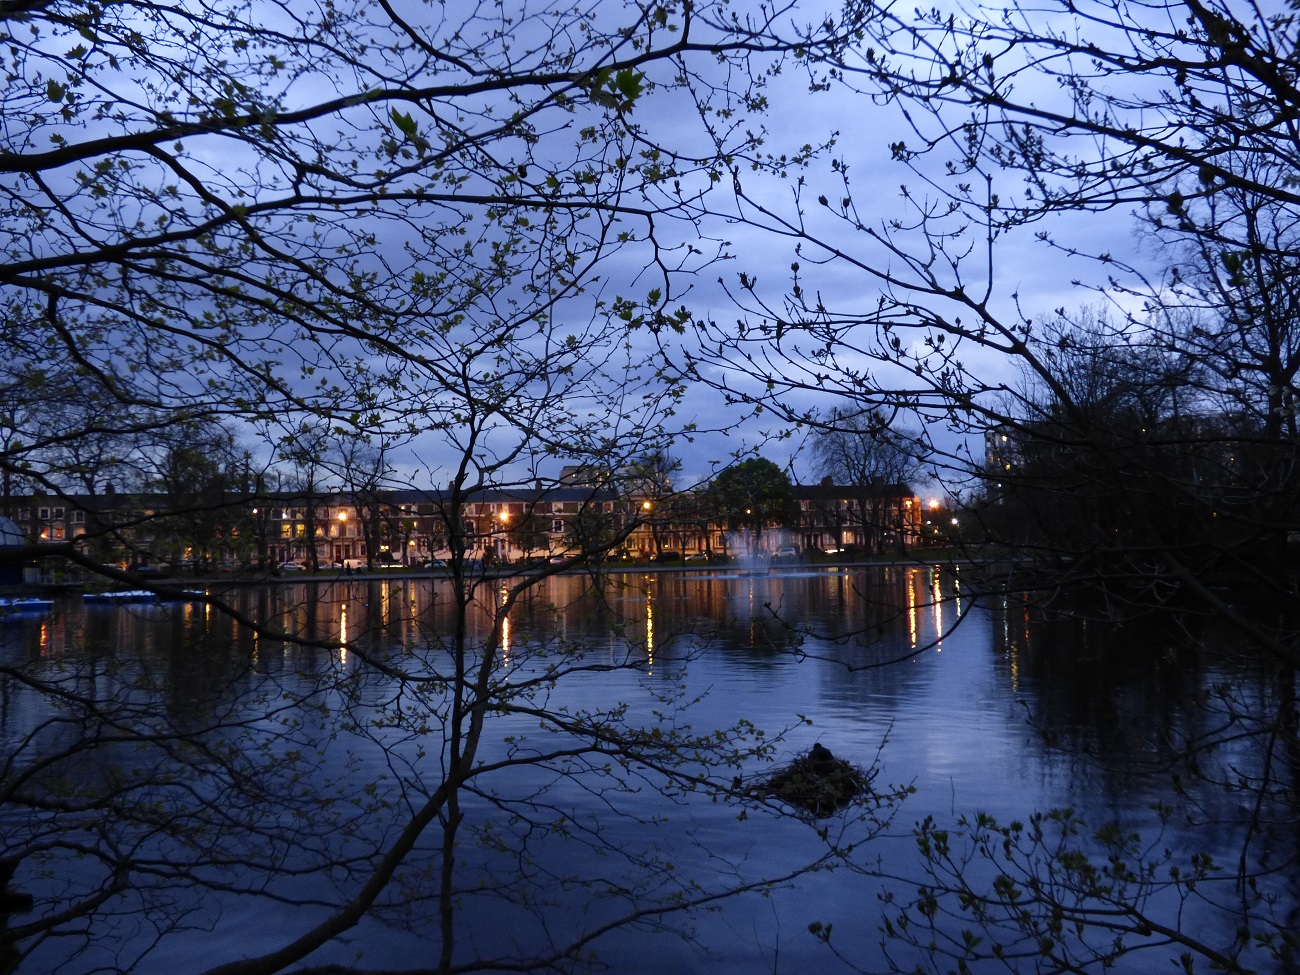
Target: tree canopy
{"x": 751, "y": 495}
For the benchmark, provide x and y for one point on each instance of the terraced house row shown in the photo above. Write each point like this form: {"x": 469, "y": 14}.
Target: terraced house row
{"x": 410, "y": 527}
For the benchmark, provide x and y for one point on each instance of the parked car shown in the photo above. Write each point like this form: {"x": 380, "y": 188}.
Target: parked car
{"x": 436, "y": 564}
{"x": 698, "y": 557}
{"x": 667, "y": 556}
{"x": 786, "y": 553}
{"x": 557, "y": 559}
{"x": 290, "y": 567}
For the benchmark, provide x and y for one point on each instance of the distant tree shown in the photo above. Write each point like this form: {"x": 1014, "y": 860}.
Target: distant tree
{"x": 529, "y": 533}
{"x": 365, "y": 471}
{"x": 592, "y": 531}
{"x": 865, "y": 453}
{"x": 307, "y": 452}
{"x": 203, "y": 472}
{"x": 752, "y": 495}
{"x": 647, "y": 486}
{"x": 1082, "y": 476}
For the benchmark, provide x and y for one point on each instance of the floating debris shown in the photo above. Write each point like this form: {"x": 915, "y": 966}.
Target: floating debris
{"x": 817, "y": 782}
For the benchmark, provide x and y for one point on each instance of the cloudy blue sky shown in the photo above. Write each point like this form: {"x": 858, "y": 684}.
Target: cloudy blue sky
{"x": 1024, "y": 277}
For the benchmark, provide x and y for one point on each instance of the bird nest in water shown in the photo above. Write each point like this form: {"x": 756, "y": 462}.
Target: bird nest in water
{"x": 817, "y": 782}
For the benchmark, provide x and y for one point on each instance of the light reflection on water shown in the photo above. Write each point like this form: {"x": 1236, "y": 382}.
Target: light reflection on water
{"x": 956, "y": 697}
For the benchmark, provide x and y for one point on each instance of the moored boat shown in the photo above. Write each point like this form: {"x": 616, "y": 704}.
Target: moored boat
{"x": 122, "y": 596}
{"x": 24, "y": 604}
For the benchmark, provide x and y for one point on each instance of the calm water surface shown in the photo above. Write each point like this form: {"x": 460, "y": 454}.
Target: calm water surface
{"x": 967, "y": 702}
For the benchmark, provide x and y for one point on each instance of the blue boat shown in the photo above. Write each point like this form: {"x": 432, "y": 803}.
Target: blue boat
{"x": 24, "y": 604}
{"x": 123, "y": 596}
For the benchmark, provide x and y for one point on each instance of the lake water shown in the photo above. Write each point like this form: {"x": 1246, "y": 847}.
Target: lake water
{"x": 972, "y": 705}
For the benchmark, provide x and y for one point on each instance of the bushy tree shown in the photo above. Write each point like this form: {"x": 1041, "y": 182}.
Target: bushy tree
{"x": 752, "y": 495}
